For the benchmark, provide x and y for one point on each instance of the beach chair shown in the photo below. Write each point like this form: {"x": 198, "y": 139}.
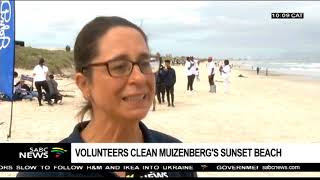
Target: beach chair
{"x": 28, "y": 87}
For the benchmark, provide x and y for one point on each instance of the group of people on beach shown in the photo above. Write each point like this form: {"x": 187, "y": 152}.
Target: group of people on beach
{"x": 258, "y": 70}
{"x": 42, "y": 81}
{"x": 192, "y": 71}
{"x": 165, "y": 80}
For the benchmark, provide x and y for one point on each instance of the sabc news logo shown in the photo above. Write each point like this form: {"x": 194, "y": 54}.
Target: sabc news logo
{"x": 58, "y": 152}
{"x": 42, "y": 153}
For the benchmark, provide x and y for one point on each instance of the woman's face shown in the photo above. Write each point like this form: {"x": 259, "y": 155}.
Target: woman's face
{"x": 125, "y": 98}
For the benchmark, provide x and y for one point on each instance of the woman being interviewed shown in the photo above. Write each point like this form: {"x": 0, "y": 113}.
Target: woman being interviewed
{"x": 115, "y": 74}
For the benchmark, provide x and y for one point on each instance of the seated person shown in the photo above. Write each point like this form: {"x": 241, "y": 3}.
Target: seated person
{"x": 16, "y": 94}
{"x": 15, "y": 75}
{"x": 53, "y": 89}
{"x": 23, "y": 91}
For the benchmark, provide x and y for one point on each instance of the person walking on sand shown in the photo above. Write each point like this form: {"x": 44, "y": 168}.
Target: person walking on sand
{"x": 170, "y": 80}
{"x": 160, "y": 84}
{"x": 188, "y": 66}
{"x": 197, "y": 74}
{"x": 40, "y": 73}
{"x": 267, "y": 72}
{"x": 197, "y": 70}
{"x": 226, "y": 70}
{"x": 159, "y": 88}
{"x": 193, "y": 71}
{"x": 220, "y": 68}
{"x": 211, "y": 74}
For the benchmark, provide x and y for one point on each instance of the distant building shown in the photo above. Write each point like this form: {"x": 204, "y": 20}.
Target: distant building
{"x": 19, "y": 43}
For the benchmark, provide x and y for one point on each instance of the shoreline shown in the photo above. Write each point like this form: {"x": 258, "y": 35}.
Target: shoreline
{"x": 295, "y": 68}
{"x": 277, "y": 74}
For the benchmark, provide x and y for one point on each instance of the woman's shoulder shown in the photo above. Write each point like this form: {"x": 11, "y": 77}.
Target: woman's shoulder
{"x": 153, "y": 136}
{"x": 160, "y": 137}
{"x": 150, "y": 136}
{"x": 75, "y": 136}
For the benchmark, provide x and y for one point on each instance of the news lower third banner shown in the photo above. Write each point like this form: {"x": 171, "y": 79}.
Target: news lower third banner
{"x": 159, "y": 157}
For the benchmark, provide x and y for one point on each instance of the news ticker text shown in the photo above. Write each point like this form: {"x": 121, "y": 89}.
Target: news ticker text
{"x": 140, "y": 167}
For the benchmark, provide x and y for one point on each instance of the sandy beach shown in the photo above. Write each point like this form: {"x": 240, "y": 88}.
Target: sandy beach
{"x": 258, "y": 109}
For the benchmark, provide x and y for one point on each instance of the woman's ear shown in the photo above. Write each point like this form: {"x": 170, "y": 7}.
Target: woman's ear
{"x": 83, "y": 84}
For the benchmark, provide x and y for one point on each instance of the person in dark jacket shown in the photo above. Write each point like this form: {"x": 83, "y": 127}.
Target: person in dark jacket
{"x": 160, "y": 84}
{"x": 170, "y": 80}
{"x": 53, "y": 89}
{"x": 115, "y": 74}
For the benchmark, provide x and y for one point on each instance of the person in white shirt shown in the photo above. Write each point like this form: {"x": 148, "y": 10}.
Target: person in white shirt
{"x": 211, "y": 74}
{"x": 193, "y": 71}
{"x": 197, "y": 74}
{"x": 188, "y": 67}
{"x": 226, "y": 70}
{"x": 40, "y": 72}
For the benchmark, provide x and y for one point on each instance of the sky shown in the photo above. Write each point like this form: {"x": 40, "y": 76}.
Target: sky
{"x": 222, "y": 29}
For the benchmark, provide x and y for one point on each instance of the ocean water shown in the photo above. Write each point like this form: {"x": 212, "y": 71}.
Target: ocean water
{"x": 308, "y": 68}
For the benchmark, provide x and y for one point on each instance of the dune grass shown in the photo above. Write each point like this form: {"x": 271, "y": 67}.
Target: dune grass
{"x": 55, "y": 60}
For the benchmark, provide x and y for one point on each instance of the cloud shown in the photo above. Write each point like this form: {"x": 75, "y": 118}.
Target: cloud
{"x": 201, "y": 28}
